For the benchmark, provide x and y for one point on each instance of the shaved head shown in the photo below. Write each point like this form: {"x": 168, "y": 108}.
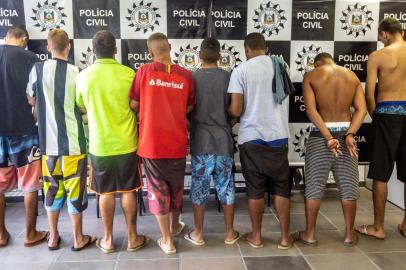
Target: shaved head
{"x": 158, "y": 44}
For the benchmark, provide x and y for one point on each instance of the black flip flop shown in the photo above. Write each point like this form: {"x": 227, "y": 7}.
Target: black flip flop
{"x": 58, "y": 245}
{"x": 90, "y": 241}
{"x": 351, "y": 243}
{"x": 298, "y": 237}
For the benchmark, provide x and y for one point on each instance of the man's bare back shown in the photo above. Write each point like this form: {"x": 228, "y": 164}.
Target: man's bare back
{"x": 334, "y": 88}
{"x": 391, "y": 65}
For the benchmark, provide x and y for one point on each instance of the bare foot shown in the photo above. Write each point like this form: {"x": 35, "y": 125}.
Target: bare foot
{"x": 231, "y": 235}
{"x": 197, "y": 236}
{"x": 286, "y": 241}
{"x": 138, "y": 241}
{"x": 177, "y": 228}
{"x": 36, "y": 238}
{"x": 106, "y": 244}
{"x": 83, "y": 241}
{"x": 167, "y": 245}
{"x": 53, "y": 240}
{"x": 370, "y": 230}
{"x": 307, "y": 238}
{"x": 256, "y": 240}
{"x": 351, "y": 238}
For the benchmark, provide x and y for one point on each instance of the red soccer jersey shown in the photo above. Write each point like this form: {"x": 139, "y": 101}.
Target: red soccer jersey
{"x": 164, "y": 92}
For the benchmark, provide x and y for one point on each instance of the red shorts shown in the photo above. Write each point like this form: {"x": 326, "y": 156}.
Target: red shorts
{"x": 20, "y": 162}
{"x": 165, "y": 178}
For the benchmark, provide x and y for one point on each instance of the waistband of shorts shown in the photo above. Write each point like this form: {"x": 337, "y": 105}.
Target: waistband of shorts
{"x": 332, "y": 126}
{"x": 391, "y": 107}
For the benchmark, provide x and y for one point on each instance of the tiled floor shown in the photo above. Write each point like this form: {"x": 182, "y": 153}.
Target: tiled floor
{"x": 330, "y": 254}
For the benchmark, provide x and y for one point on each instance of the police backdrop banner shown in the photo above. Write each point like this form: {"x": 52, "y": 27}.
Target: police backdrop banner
{"x": 296, "y": 29}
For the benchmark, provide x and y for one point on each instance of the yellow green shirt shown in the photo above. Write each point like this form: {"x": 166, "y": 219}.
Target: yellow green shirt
{"x": 103, "y": 89}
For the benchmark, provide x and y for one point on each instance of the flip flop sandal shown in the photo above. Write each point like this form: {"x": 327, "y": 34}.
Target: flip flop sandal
{"x": 39, "y": 241}
{"x": 351, "y": 243}
{"x": 90, "y": 240}
{"x": 182, "y": 227}
{"x": 58, "y": 245}
{"x": 7, "y": 240}
{"x": 298, "y": 237}
{"x": 400, "y": 231}
{"x": 236, "y": 238}
{"x": 104, "y": 250}
{"x": 189, "y": 238}
{"x": 285, "y": 247}
{"x": 165, "y": 250}
{"x": 251, "y": 243}
{"x": 365, "y": 232}
{"x": 144, "y": 243}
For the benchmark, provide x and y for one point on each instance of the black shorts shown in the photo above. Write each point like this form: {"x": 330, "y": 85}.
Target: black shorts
{"x": 113, "y": 174}
{"x": 265, "y": 169}
{"x": 388, "y": 142}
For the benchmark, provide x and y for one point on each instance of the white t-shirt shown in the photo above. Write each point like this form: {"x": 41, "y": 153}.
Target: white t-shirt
{"x": 262, "y": 118}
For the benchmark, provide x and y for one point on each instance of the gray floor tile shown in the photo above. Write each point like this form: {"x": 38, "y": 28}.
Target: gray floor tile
{"x": 270, "y": 242}
{"x": 393, "y": 242}
{"x": 105, "y": 265}
{"x": 212, "y": 264}
{"x": 25, "y": 266}
{"x": 389, "y": 261}
{"x": 162, "y": 264}
{"x": 16, "y": 252}
{"x": 341, "y": 261}
{"x": 280, "y": 263}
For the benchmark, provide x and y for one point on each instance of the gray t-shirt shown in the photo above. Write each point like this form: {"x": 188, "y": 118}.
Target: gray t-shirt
{"x": 263, "y": 118}
{"x": 210, "y": 126}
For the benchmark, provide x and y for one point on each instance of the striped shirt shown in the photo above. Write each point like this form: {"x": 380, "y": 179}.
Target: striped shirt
{"x": 60, "y": 128}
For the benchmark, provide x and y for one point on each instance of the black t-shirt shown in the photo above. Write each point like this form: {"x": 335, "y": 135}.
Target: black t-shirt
{"x": 15, "y": 111}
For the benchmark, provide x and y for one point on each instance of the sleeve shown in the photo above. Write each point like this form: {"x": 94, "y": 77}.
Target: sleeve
{"x": 136, "y": 87}
{"x": 79, "y": 92}
{"x": 191, "y": 100}
{"x": 31, "y": 85}
{"x": 236, "y": 85}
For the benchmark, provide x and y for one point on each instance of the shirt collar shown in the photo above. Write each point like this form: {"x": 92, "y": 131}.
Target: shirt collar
{"x": 106, "y": 61}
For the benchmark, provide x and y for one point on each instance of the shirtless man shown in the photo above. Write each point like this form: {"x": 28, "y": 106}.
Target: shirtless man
{"x": 329, "y": 93}
{"x": 388, "y": 65}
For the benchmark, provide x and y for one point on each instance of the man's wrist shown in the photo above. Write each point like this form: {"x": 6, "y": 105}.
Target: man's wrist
{"x": 352, "y": 134}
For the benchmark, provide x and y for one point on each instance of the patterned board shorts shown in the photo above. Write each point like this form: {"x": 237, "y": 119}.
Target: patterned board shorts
{"x": 65, "y": 180}
{"x": 20, "y": 162}
{"x": 219, "y": 168}
{"x": 320, "y": 161}
{"x": 165, "y": 178}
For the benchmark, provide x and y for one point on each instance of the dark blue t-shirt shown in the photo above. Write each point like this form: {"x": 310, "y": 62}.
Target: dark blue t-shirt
{"x": 15, "y": 112}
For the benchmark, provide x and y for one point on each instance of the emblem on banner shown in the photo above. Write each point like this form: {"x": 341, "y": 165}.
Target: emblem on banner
{"x": 356, "y": 20}
{"x": 88, "y": 57}
{"x": 305, "y": 60}
{"x": 48, "y": 15}
{"x": 188, "y": 57}
{"x": 143, "y": 17}
{"x": 300, "y": 141}
{"x": 269, "y": 19}
{"x": 229, "y": 57}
